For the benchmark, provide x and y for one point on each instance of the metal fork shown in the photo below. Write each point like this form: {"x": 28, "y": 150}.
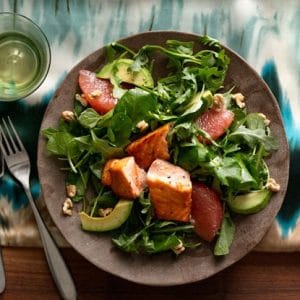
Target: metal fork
{"x": 18, "y": 163}
{"x": 2, "y": 273}
{"x": 1, "y": 161}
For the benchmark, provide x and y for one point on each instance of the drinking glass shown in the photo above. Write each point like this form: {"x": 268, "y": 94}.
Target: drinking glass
{"x": 24, "y": 56}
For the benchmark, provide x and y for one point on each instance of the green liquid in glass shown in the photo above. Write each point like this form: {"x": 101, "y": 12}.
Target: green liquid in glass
{"x": 20, "y": 63}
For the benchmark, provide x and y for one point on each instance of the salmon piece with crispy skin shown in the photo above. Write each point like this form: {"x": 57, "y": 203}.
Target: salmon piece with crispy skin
{"x": 170, "y": 191}
{"x": 106, "y": 177}
{"x": 150, "y": 147}
{"x": 126, "y": 179}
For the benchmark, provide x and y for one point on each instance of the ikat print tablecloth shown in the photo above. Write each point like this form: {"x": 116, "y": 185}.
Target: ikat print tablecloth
{"x": 265, "y": 33}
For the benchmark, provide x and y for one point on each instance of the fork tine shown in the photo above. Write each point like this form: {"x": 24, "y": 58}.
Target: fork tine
{"x": 1, "y": 157}
{"x": 8, "y": 150}
{"x": 20, "y": 144}
{"x": 11, "y": 143}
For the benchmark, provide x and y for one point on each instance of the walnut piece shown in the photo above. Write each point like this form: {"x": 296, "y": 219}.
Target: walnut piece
{"x": 272, "y": 185}
{"x": 68, "y": 115}
{"x": 142, "y": 125}
{"x": 103, "y": 212}
{"x": 71, "y": 190}
{"x": 239, "y": 99}
{"x": 218, "y": 102}
{"x": 81, "y": 99}
{"x": 67, "y": 207}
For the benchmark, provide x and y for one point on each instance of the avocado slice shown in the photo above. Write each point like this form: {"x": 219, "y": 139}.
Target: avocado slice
{"x": 114, "y": 220}
{"x": 121, "y": 69}
{"x": 250, "y": 203}
{"x": 106, "y": 71}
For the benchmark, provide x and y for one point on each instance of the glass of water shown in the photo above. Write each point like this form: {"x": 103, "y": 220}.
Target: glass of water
{"x": 24, "y": 56}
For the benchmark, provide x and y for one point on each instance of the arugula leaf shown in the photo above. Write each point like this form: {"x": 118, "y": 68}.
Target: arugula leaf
{"x": 89, "y": 118}
{"x": 158, "y": 243}
{"x": 121, "y": 48}
{"x": 171, "y": 227}
{"x": 229, "y": 148}
{"x": 120, "y": 128}
{"x": 239, "y": 119}
{"x": 257, "y": 167}
{"x": 84, "y": 141}
{"x": 136, "y": 104}
{"x": 209, "y": 41}
{"x": 190, "y": 157}
{"x": 145, "y": 242}
{"x": 253, "y": 137}
{"x": 78, "y": 107}
{"x": 62, "y": 144}
{"x": 96, "y": 168}
{"x": 116, "y": 50}
{"x": 250, "y": 129}
{"x": 106, "y": 199}
{"x": 49, "y": 132}
{"x": 233, "y": 173}
{"x": 184, "y": 132}
{"x": 254, "y": 121}
{"x": 226, "y": 236}
{"x": 129, "y": 242}
{"x": 104, "y": 147}
{"x": 140, "y": 61}
{"x": 147, "y": 208}
{"x": 180, "y": 47}
{"x": 199, "y": 103}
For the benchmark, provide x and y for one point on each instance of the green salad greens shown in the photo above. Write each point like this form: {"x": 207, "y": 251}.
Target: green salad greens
{"x": 232, "y": 163}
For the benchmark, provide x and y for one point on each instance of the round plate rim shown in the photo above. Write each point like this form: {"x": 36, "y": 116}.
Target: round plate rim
{"x": 136, "y": 279}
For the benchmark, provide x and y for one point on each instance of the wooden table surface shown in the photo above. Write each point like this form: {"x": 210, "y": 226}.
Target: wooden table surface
{"x": 257, "y": 276}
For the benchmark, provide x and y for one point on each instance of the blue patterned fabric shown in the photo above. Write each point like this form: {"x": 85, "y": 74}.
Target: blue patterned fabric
{"x": 265, "y": 33}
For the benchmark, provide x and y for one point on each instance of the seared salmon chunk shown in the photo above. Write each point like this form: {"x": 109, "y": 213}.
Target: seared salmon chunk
{"x": 170, "y": 191}
{"x": 150, "y": 147}
{"x": 106, "y": 177}
{"x": 126, "y": 179}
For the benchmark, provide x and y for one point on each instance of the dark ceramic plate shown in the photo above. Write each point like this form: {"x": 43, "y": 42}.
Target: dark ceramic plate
{"x": 163, "y": 269}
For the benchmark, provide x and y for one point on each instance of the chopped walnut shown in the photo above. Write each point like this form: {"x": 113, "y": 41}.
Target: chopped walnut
{"x": 81, "y": 99}
{"x": 142, "y": 125}
{"x": 96, "y": 93}
{"x": 272, "y": 185}
{"x": 179, "y": 248}
{"x": 218, "y": 101}
{"x": 71, "y": 190}
{"x": 103, "y": 212}
{"x": 266, "y": 120}
{"x": 67, "y": 207}
{"x": 239, "y": 99}
{"x": 68, "y": 115}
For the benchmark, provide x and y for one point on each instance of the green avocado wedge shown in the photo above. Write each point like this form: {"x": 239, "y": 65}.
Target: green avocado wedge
{"x": 120, "y": 69}
{"x": 114, "y": 220}
{"x": 250, "y": 203}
